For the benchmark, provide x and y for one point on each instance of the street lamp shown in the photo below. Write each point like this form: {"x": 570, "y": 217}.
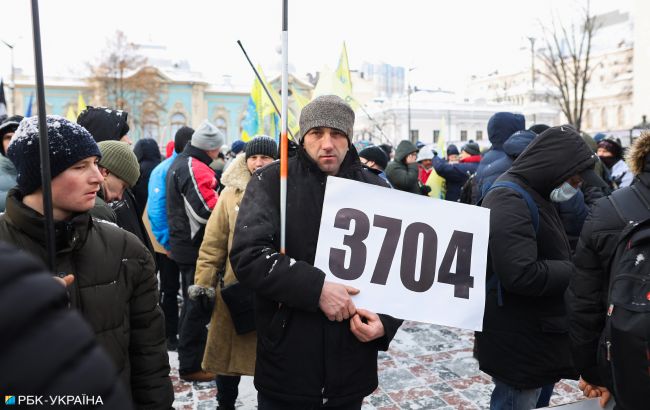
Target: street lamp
{"x": 408, "y": 94}
{"x": 13, "y": 79}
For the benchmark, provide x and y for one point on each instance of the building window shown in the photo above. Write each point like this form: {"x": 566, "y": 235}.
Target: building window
{"x": 621, "y": 116}
{"x": 415, "y": 134}
{"x": 436, "y": 135}
{"x": 589, "y": 119}
{"x": 150, "y": 126}
{"x": 479, "y": 135}
{"x": 221, "y": 123}
{"x": 603, "y": 118}
{"x": 463, "y": 135}
{"x": 176, "y": 122}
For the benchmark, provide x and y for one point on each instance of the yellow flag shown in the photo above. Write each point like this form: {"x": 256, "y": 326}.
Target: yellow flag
{"x": 338, "y": 82}
{"x": 81, "y": 104}
{"x": 442, "y": 146}
{"x": 70, "y": 115}
{"x": 269, "y": 110}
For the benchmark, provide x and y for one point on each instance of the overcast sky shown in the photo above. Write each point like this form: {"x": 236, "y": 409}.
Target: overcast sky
{"x": 445, "y": 40}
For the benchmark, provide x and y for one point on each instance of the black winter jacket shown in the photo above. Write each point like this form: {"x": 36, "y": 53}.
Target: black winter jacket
{"x": 148, "y": 154}
{"x": 191, "y": 196}
{"x": 524, "y": 342}
{"x": 301, "y": 355}
{"x": 115, "y": 289}
{"x": 402, "y": 176}
{"x": 41, "y": 333}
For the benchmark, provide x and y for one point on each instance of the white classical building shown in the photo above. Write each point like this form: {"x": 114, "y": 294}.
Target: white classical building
{"x": 438, "y": 114}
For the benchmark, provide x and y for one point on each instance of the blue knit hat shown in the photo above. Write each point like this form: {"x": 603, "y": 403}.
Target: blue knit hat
{"x": 69, "y": 143}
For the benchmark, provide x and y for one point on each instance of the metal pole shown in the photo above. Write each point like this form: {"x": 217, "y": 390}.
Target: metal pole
{"x": 13, "y": 78}
{"x": 259, "y": 78}
{"x": 43, "y": 142}
{"x": 409, "y": 112}
{"x": 284, "y": 142}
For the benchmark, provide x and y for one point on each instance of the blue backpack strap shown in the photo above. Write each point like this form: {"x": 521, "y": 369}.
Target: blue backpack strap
{"x": 494, "y": 281}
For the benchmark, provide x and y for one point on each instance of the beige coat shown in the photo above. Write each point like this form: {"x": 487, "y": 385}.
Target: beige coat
{"x": 226, "y": 352}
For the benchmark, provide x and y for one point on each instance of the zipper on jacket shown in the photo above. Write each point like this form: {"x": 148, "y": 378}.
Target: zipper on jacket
{"x": 609, "y": 352}
{"x": 322, "y": 392}
{"x": 610, "y": 309}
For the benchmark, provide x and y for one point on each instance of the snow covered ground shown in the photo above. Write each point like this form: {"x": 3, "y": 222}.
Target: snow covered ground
{"x": 427, "y": 367}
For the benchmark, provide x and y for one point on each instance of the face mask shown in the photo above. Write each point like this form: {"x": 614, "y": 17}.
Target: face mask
{"x": 608, "y": 161}
{"x": 563, "y": 193}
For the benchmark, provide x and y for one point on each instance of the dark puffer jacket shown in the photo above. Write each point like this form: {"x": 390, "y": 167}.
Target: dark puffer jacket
{"x": 500, "y": 127}
{"x": 115, "y": 289}
{"x": 301, "y": 355}
{"x": 524, "y": 342}
{"x": 42, "y": 333}
{"x": 401, "y": 176}
{"x": 455, "y": 175}
{"x": 148, "y": 154}
{"x": 587, "y": 294}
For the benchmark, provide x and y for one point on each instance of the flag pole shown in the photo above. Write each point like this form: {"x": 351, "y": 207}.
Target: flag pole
{"x": 284, "y": 142}
{"x": 266, "y": 90}
{"x": 46, "y": 178}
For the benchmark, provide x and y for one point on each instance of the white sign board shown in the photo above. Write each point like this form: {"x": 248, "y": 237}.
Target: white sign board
{"x": 411, "y": 256}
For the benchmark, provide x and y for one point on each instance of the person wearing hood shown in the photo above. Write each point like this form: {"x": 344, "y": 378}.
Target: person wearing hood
{"x": 402, "y": 171}
{"x": 147, "y": 153}
{"x": 425, "y": 167}
{"x": 587, "y": 293}
{"x": 228, "y": 354}
{"x": 375, "y": 160}
{"x": 170, "y": 282}
{"x": 610, "y": 153}
{"x": 524, "y": 344}
{"x": 456, "y": 175}
{"x": 105, "y": 124}
{"x": 8, "y": 171}
{"x": 500, "y": 127}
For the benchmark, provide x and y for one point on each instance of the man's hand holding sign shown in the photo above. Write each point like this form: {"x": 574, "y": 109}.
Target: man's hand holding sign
{"x": 409, "y": 256}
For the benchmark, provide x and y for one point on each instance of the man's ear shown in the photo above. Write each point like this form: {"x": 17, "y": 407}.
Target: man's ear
{"x": 104, "y": 171}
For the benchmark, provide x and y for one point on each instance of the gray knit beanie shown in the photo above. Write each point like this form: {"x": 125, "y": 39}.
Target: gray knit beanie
{"x": 119, "y": 159}
{"x": 327, "y": 111}
{"x": 207, "y": 137}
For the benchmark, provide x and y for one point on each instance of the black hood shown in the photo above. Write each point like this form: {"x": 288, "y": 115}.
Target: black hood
{"x": 104, "y": 124}
{"x": 146, "y": 149}
{"x": 551, "y": 158}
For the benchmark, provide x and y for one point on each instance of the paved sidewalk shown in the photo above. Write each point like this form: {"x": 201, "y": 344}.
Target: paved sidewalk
{"x": 427, "y": 367}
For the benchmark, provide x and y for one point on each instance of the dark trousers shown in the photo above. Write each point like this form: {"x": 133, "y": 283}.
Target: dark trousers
{"x": 227, "y": 391}
{"x": 169, "y": 286}
{"x": 268, "y": 403}
{"x": 192, "y": 330}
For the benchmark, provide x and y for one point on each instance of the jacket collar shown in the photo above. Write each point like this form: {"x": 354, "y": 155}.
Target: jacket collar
{"x": 473, "y": 158}
{"x": 197, "y": 153}
{"x": 69, "y": 234}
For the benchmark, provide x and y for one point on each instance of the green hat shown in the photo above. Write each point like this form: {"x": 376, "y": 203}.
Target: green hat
{"x": 118, "y": 158}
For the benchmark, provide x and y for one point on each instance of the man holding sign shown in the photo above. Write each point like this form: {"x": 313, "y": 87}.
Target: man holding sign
{"x": 315, "y": 348}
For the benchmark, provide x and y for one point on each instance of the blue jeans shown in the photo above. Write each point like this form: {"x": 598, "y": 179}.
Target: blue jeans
{"x": 506, "y": 397}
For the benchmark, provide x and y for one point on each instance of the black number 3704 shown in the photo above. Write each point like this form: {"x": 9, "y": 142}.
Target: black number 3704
{"x": 460, "y": 246}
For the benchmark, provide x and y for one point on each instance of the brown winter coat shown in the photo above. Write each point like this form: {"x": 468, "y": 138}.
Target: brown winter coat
{"x": 226, "y": 352}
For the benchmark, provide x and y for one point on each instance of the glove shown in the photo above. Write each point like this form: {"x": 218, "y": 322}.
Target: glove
{"x": 203, "y": 298}
{"x": 425, "y": 189}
